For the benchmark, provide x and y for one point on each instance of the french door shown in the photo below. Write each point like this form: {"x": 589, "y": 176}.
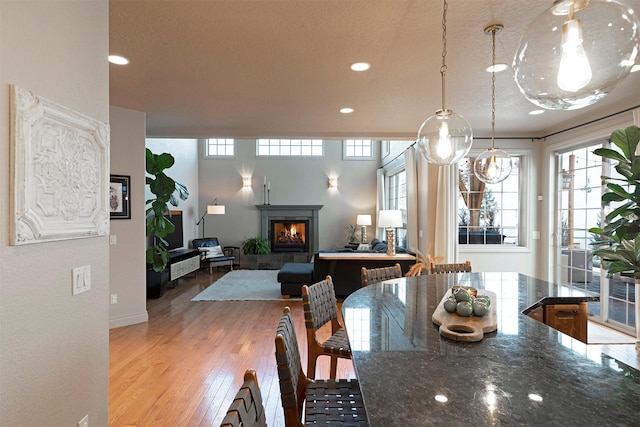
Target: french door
{"x": 579, "y": 198}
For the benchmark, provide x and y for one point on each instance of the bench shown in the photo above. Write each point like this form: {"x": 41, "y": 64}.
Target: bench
{"x": 292, "y": 276}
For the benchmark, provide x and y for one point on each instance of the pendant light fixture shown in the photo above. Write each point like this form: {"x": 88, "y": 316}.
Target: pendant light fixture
{"x": 494, "y": 165}
{"x": 576, "y": 52}
{"x": 445, "y": 137}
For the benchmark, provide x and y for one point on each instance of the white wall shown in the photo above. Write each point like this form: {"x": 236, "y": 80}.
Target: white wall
{"x": 184, "y": 171}
{"x": 127, "y": 257}
{"x": 293, "y": 181}
{"x": 54, "y": 347}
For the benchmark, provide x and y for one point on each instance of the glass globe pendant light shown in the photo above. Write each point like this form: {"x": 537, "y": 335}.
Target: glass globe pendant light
{"x": 494, "y": 165}
{"x": 445, "y": 137}
{"x": 576, "y": 52}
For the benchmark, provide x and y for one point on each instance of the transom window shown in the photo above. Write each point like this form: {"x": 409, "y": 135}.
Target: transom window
{"x": 290, "y": 147}
{"x": 355, "y": 149}
{"x": 220, "y": 147}
{"x": 488, "y": 213}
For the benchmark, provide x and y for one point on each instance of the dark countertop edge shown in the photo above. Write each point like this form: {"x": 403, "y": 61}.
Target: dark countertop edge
{"x": 560, "y": 300}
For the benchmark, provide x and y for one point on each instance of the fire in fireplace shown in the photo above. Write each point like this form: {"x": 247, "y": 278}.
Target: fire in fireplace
{"x": 289, "y": 236}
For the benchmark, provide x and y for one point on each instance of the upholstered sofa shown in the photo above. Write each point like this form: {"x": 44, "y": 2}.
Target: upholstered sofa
{"x": 344, "y": 266}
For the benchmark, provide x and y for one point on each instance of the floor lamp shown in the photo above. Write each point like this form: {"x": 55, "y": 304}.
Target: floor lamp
{"x": 390, "y": 219}
{"x": 214, "y": 209}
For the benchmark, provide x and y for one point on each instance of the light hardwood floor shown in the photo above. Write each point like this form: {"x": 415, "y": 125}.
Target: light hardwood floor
{"x": 184, "y": 366}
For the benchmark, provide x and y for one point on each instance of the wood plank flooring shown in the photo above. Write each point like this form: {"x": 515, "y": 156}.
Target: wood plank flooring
{"x": 185, "y": 365}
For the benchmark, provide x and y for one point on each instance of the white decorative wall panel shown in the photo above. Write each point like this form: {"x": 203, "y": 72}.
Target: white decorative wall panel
{"x": 60, "y": 176}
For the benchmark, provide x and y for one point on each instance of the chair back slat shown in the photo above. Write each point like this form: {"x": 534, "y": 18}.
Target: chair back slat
{"x": 319, "y": 302}
{"x": 247, "y": 409}
{"x": 462, "y": 267}
{"x": 369, "y": 276}
{"x": 289, "y": 369}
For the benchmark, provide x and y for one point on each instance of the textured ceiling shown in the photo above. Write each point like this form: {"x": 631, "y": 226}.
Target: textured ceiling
{"x": 243, "y": 68}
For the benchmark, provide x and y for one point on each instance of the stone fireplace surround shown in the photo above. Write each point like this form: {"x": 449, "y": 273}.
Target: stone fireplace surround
{"x": 292, "y": 213}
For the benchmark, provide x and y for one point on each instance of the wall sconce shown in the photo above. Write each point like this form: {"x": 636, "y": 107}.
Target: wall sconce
{"x": 246, "y": 182}
{"x": 363, "y": 221}
{"x": 390, "y": 219}
{"x": 333, "y": 182}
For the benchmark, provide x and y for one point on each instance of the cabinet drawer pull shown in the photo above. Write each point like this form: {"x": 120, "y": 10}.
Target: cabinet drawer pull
{"x": 567, "y": 311}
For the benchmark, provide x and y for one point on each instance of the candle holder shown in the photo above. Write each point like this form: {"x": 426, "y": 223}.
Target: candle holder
{"x": 264, "y": 194}
{"x": 268, "y": 195}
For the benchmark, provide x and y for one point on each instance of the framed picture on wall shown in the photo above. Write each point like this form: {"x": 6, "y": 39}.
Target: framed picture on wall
{"x": 119, "y": 197}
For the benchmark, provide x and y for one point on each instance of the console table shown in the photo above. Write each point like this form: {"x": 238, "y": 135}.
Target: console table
{"x": 183, "y": 262}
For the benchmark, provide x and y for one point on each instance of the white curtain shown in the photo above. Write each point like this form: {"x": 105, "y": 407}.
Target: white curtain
{"x": 446, "y": 234}
{"x": 413, "y": 206}
{"x": 381, "y": 202}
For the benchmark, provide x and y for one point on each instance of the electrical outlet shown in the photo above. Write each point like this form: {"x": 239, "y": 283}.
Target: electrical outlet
{"x": 114, "y": 298}
{"x": 84, "y": 422}
{"x": 113, "y": 239}
{"x": 81, "y": 279}
{"x": 535, "y": 235}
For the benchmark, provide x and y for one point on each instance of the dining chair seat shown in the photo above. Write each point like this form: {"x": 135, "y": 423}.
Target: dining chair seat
{"x": 327, "y": 402}
{"x": 369, "y": 276}
{"x": 320, "y": 309}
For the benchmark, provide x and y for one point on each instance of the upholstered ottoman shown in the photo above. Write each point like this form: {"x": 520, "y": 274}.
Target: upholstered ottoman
{"x": 292, "y": 276}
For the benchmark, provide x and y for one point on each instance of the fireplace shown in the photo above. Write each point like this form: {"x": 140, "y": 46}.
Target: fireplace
{"x": 288, "y": 236}
{"x": 290, "y": 228}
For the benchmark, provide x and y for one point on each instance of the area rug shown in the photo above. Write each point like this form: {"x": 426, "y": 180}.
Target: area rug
{"x": 243, "y": 285}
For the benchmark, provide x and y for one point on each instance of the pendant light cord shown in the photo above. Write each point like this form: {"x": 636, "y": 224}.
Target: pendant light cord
{"x": 443, "y": 68}
{"x": 493, "y": 89}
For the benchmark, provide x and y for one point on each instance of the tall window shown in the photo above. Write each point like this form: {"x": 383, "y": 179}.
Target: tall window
{"x": 220, "y": 147}
{"x": 488, "y": 214}
{"x": 397, "y": 200}
{"x": 290, "y": 147}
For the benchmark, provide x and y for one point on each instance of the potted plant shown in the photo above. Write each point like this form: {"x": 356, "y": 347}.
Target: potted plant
{"x": 255, "y": 245}
{"x": 619, "y": 243}
{"x": 352, "y": 233}
{"x": 159, "y": 225}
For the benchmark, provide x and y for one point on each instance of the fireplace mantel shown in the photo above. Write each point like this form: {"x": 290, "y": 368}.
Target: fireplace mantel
{"x": 292, "y": 213}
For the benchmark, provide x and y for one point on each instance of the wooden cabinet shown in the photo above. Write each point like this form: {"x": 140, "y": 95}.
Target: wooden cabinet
{"x": 570, "y": 319}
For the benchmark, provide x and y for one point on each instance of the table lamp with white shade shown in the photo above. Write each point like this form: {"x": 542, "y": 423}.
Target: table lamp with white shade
{"x": 390, "y": 220}
{"x": 363, "y": 221}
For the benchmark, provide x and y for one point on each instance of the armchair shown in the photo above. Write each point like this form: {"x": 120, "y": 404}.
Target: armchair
{"x": 212, "y": 254}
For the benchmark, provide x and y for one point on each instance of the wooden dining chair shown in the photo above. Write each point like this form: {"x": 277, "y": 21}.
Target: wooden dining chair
{"x": 325, "y": 402}
{"x": 320, "y": 309}
{"x": 247, "y": 409}
{"x": 369, "y": 276}
{"x": 461, "y": 267}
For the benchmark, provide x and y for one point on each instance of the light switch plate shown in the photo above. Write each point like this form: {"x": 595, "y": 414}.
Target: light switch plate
{"x": 81, "y": 277}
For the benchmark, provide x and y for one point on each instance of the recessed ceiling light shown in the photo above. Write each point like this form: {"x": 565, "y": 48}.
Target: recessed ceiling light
{"x": 535, "y": 112}
{"x": 119, "y": 60}
{"x": 346, "y": 110}
{"x": 498, "y": 67}
{"x": 360, "y": 66}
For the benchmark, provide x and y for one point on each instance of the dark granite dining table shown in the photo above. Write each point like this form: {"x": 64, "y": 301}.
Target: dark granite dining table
{"x": 525, "y": 373}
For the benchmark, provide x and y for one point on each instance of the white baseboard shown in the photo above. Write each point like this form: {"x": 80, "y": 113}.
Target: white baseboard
{"x": 119, "y": 322}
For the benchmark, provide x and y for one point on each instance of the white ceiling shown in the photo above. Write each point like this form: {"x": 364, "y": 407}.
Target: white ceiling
{"x": 242, "y": 68}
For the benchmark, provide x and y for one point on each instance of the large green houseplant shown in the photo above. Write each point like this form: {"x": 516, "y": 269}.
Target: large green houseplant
{"x": 164, "y": 190}
{"x": 619, "y": 245}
